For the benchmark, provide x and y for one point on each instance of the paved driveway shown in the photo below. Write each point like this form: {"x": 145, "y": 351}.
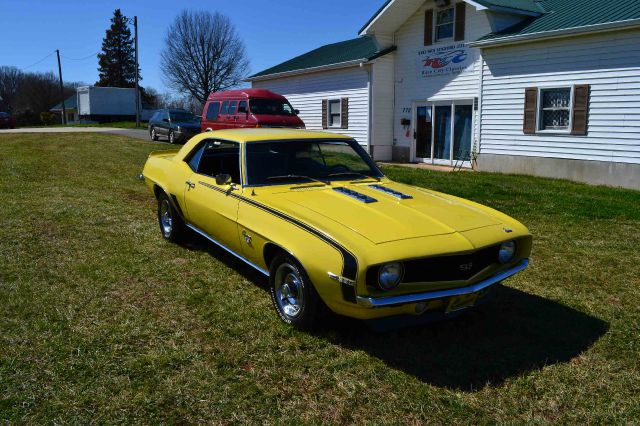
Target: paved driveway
{"x": 132, "y": 133}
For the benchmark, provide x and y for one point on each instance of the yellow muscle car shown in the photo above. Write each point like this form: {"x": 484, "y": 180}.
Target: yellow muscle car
{"x": 313, "y": 212}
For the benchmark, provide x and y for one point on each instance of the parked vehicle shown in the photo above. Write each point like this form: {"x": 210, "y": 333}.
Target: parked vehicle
{"x": 248, "y": 108}
{"x": 313, "y": 212}
{"x": 177, "y": 125}
{"x": 7, "y": 121}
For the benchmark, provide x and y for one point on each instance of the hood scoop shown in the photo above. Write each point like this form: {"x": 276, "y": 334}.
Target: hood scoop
{"x": 391, "y": 192}
{"x": 354, "y": 194}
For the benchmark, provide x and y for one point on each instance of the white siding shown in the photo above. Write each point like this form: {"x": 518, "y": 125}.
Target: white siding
{"x": 306, "y": 92}
{"x": 610, "y": 63}
{"x": 410, "y": 87}
{"x": 382, "y": 107}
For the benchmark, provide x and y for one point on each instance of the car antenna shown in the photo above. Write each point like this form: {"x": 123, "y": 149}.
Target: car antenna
{"x": 253, "y": 192}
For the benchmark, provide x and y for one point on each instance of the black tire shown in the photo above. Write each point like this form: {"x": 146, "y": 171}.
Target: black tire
{"x": 172, "y": 227}
{"x": 172, "y": 137}
{"x": 153, "y": 134}
{"x": 287, "y": 270}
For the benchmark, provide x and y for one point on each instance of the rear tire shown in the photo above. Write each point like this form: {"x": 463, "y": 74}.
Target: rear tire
{"x": 293, "y": 295}
{"x": 171, "y": 225}
{"x": 153, "y": 134}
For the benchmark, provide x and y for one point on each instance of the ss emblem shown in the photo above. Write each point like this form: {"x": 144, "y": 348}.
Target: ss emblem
{"x": 466, "y": 266}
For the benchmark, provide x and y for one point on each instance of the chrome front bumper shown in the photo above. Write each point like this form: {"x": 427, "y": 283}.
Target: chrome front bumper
{"x": 381, "y": 302}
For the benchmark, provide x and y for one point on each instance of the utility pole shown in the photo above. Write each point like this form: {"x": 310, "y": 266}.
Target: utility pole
{"x": 135, "y": 29}
{"x": 64, "y": 111}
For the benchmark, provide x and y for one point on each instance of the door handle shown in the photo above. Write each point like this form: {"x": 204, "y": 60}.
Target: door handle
{"x": 191, "y": 184}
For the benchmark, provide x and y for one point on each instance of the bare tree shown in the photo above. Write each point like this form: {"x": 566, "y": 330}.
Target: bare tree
{"x": 203, "y": 54}
{"x": 10, "y": 80}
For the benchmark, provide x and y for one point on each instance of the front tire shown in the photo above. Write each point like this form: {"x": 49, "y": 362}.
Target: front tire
{"x": 172, "y": 137}
{"x": 292, "y": 293}
{"x": 154, "y": 135}
{"x": 171, "y": 225}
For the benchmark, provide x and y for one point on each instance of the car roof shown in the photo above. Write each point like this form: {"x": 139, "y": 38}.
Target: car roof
{"x": 245, "y": 94}
{"x": 257, "y": 135}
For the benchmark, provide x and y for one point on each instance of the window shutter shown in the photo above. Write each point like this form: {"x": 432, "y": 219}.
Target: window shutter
{"x": 325, "y": 113}
{"x": 580, "y": 109}
{"x": 530, "y": 110}
{"x": 344, "y": 113}
{"x": 428, "y": 27}
{"x": 461, "y": 8}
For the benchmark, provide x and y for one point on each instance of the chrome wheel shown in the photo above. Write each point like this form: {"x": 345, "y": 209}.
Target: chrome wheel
{"x": 166, "y": 221}
{"x": 153, "y": 135}
{"x": 171, "y": 137}
{"x": 289, "y": 292}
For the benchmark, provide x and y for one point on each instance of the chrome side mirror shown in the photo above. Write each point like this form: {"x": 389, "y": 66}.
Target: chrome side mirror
{"x": 223, "y": 179}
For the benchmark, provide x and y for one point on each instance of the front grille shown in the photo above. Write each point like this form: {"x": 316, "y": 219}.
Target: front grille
{"x": 442, "y": 268}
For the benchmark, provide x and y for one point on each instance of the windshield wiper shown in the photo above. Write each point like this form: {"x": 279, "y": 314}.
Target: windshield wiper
{"x": 296, "y": 177}
{"x": 362, "y": 175}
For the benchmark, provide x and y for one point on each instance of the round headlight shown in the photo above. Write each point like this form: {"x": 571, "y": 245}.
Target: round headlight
{"x": 390, "y": 275}
{"x": 507, "y": 251}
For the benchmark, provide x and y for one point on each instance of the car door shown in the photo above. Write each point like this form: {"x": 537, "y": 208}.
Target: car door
{"x": 243, "y": 114}
{"x": 162, "y": 124}
{"x": 212, "y": 205}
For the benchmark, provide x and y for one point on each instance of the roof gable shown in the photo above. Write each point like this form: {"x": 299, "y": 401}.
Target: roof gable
{"x": 394, "y": 13}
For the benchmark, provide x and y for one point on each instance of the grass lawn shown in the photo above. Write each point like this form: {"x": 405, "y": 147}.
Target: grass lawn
{"x": 102, "y": 321}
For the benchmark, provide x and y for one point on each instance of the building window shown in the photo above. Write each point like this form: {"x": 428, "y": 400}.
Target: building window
{"x": 335, "y": 112}
{"x": 555, "y": 109}
{"x": 444, "y": 24}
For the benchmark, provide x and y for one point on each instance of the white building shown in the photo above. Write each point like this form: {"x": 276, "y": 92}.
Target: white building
{"x": 543, "y": 87}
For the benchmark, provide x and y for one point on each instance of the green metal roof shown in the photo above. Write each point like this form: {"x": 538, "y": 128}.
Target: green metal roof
{"x": 567, "y": 14}
{"x": 70, "y": 103}
{"x": 364, "y": 48}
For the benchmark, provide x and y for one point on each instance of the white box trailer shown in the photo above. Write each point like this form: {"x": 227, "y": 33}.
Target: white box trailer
{"x": 97, "y": 103}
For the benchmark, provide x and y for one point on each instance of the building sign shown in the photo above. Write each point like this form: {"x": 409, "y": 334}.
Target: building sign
{"x": 445, "y": 60}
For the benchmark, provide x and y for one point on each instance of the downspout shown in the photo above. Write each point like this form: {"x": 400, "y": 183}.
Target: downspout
{"x": 370, "y": 112}
{"x": 476, "y": 150}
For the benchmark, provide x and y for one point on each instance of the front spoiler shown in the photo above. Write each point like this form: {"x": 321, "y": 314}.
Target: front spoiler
{"x": 381, "y": 302}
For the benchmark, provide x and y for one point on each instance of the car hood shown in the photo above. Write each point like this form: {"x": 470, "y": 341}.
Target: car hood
{"x": 386, "y": 219}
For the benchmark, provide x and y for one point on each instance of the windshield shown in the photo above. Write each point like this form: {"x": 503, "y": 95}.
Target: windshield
{"x": 270, "y": 107}
{"x": 300, "y": 161}
{"x": 183, "y": 116}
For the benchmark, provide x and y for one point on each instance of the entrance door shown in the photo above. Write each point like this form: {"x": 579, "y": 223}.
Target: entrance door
{"x": 443, "y": 132}
{"x": 423, "y": 132}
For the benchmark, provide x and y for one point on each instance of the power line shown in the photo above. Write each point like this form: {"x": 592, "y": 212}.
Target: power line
{"x": 81, "y": 59}
{"x": 36, "y": 63}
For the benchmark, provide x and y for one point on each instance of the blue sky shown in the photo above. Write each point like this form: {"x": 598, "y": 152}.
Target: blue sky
{"x": 273, "y": 30}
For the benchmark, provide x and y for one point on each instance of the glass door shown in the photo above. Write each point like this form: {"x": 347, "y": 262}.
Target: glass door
{"x": 442, "y": 132}
{"x": 423, "y": 131}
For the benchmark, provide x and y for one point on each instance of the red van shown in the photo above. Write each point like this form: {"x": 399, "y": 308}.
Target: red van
{"x": 248, "y": 108}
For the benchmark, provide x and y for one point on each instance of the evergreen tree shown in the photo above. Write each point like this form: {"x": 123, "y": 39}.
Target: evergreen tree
{"x": 116, "y": 62}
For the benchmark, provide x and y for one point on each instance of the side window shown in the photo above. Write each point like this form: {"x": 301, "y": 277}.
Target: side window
{"x": 220, "y": 157}
{"x": 242, "y": 107}
{"x": 194, "y": 158}
{"x": 225, "y": 108}
{"x": 232, "y": 107}
{"x": 335, "y": 112}
{"x": 213, "y": 111}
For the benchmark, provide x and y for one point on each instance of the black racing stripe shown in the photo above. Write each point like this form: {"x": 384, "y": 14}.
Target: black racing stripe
{"x": 349, "y": 261}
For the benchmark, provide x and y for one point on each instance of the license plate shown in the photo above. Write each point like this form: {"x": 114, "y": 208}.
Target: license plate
{"x": 461, "y": 302}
